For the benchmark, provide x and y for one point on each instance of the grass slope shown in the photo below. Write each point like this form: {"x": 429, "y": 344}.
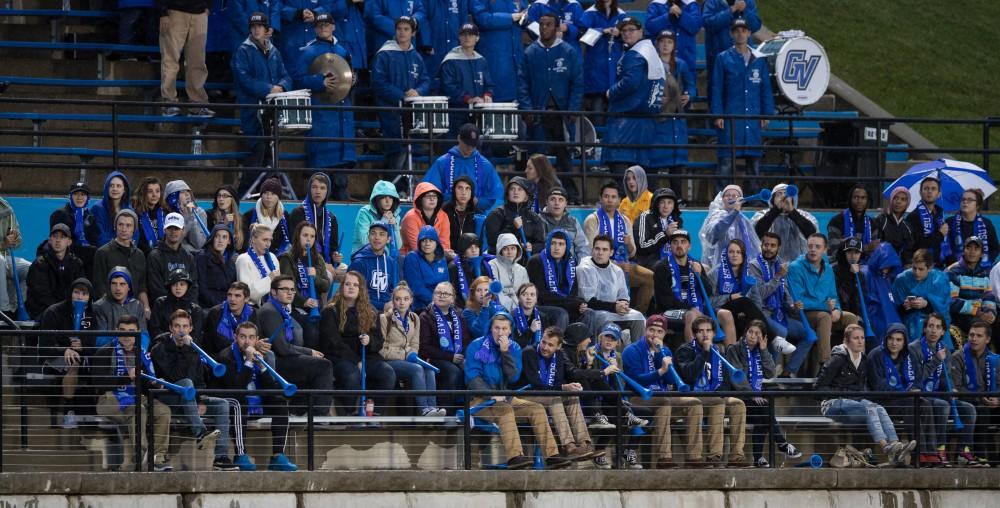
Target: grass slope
{"x": 919, "y": 58}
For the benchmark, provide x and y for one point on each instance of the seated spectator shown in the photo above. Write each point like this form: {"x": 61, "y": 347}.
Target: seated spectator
{"x": 920, "y": 290}
{"x": 969, "y": 222}
{"x": 179, "y": 284}
{"x": 52, "y": 272}
{"x": 607, "y": 220}
{"x": 602, "y": 285}
{"x": 464, "y": 159}
{"x": 928, "y": 226}
{"x": 480, "y": 306}
{"x": 654, "y": 227}
{"x": 104, "y": 213}
{"x": 215, "y": 266}
{"x": 244, "y": 372}
{"x": 893, "y": 228}
{"x": 304, "y": 264}
{"x": 148, "y": 204}
{"x": 972, "y": 296}
{"x": 785, "y": 219}
{"x": 542, "y": 176}
{"x": 701, "y": 368}
{"x": 530, "y": 319}
{"x": 377, "y": 265}
{"x": 811, "y": 280}
{"x": 400, "y": 329}
{"x": 847, "y": 370}
{"x": 467, "y": 266}
{"x": 114, "y": 371}
{"x": 752, "y": 356}
{"x": 226, "y": 211}
{"x": 730, "y": 288}
{"x": 66, "y": 356}
{"x": 444, "y": 337}
{"x": 505, "y": 268}
{"x": 180, "y": 199}
{"x": 556, "y": 216}
{"x": 463, "y": 212}
{"x": 326, "y": 231}
{"x": 637, "y": 194}
{"x": 847, "y": 267}
{"x": 546, "y": 367}
{"x": 348, "y": 329}
{"x": 119, "y": 301}
{"x": 878, "y": 274}
{"x": 269, "y": 211}
{"x": 383, "y": 206}
{"x": 515, "y": 217}
{"x": 973, "y": 369}
{"x": 493, "y": 362}
{"x": 175, "y": 361}
{"x": 121, "y": 251}
{"x": 10, "y": 298}
{"x": 679, "y": 87}
{"x": 304, "y": 366}
{"x": 258, "y": 266}
{"x": 464, "y": 74}
{"x": 725, "y": 222}
{"x": 169, "y": 255}
{"x": 426, "y": 211}
{"x": 76, "y": 215}
{"x": 853, "y": 222}
{"x": 221, "y": 320}
{"x": 425, "y": 267}
{"x": 648, "y": 361}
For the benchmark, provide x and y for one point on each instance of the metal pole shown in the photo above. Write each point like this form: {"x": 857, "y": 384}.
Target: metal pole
{"x": 150, "y": 437}
{"x": 310, "y": 441}
{"x": 466, "y": 437}
{"x": 137, "y": 410}
{"x": 114, "y": 134}
{"x": 986, "y": 144}
{"x": 770, "y": 431}
{"x": 916, "y": 424}
{"x": 618, "y": 433}
{"x": 1, "y": 407}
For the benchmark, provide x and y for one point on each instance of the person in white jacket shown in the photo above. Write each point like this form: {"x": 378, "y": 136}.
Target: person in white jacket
{"x": 505, "y": 268}
{"x": 258, "y": 265}
{"x": 602, "y": 285}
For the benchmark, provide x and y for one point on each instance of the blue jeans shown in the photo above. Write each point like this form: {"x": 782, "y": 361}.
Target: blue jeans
{"x": 857, "y": 412}
{"x": 796, "y": 334}
{"x": 216, "y": 409}
{"x": 418, "y": 378}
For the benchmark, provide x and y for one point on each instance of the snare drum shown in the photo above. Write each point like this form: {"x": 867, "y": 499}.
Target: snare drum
{"x": 428, "y": 115}
{"x": 799, "y": 67}
{"x": 497, "y": 120}
{"x": 292, "y": 120}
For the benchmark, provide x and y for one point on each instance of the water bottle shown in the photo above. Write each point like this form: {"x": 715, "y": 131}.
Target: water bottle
{"x": 369, "y": 407}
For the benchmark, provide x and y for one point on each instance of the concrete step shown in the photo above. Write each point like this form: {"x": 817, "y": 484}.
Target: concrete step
{"x": 51, "y": 461}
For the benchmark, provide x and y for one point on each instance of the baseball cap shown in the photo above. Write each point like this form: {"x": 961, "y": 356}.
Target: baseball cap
{"x": 612, "y": 330}
{"x": 657, "y": 320}
{"x": 469, "y": 134}
{"x": 469, "y": 28}
{"x": 972, "y": 239}
{"x": 323, "y": 18}
{"x": 379, "y": 224}
{"x": 666, "y": 34}
{"x": 629, "y": 20}
{"x": 62, "y": 228}
{"x": 259, "y": 18}
{"x": 739, "y": 23}
{"x": 173, "y": 220}
{"x": 79, "y": 187}
{"x": 679, "y": 232}
{"x": 852, "y": 243}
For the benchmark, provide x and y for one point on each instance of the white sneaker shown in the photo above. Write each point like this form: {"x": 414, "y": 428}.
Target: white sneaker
{"x": 783, "y": 346}
{"x": 433, "y": 411}
{"x": 601, "y": 462}
{"x": 789, "y": 450}
{"x": 631, "y": 459}
{"x": 635, "y": 421}
{"x": 69, "y": 420}
{"x": 601, "y": 422}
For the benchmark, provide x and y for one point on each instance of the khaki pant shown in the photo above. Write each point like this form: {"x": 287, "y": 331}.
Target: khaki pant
{"x": 822, "y": 323}
{"x": 186, "y": 32}
{"x": 690, "y": 408}
{"x": 567, "y": 418}
{"x": 108, "y": 407}
{"x": 505, "y": 415}
{"x": 715, "y": 410}
{"x": 640, "y": 280}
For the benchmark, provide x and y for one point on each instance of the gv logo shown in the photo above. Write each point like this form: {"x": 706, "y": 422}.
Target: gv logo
{"x": 799, "y": 70}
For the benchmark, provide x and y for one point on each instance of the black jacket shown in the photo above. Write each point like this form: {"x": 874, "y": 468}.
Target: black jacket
{"x": 50, "y": 279}
{"x": 112, "y": 254}
{"x": 501, "y": 220}
{"x": 159, "y": 318}
{"x": 806, "y": 227}
{"x": 211, "y": 340}
{"x": 160, "y": 262}
{"x": 897, "y": 233}
{"x": 346, "y": 345}
{"x": 103, "y": 366}
{"x": 931, "y": 241}
{"x": 173, "y": 363}
{"x": 531, "y": 376}
{"x": 847, "y": 285}
{"x": 59, "y": 316}
{"x": 664, "y": 297}
{"x": 214, "y": 276}
{"x": 839, "y": 374}
{"x": 189, "y": 6}
{"x": 570, "y": 302}
{"x": 430, "y": 343}
{"x": 650, "y": 237}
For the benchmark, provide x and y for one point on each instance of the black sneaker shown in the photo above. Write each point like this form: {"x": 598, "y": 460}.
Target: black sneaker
{"x": 519, "y": 462}
{"x": 207, "y": 438}
{"x": 558, "y": 462}
{"x": 223, "y": 463}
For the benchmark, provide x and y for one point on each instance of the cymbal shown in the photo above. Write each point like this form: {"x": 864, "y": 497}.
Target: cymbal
{"x": 331, "y": 63}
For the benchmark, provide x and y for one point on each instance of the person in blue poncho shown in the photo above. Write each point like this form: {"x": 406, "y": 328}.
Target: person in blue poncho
{"x": 425, "y": 267}
{"x": 683, "y": 17}
{"x": 382, "y": 18}
{"x": 920, "y": 290}
{"x": 464, "y": 77}
{"x": 297, "y": 18}
{"x": 679, "y": 89}
{"x": 500, "y": 24}
{"x": 600, "y": 59}
{"x": 718, "y": 16}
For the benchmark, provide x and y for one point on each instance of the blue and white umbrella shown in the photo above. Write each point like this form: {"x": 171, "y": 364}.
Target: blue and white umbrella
{"x": 955, "y": 177}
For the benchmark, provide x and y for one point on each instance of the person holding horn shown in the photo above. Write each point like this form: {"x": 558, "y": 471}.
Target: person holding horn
{"x": 304, "y": 263}
{"x": 68, "y": 356}
{"x": 400, "y": 328}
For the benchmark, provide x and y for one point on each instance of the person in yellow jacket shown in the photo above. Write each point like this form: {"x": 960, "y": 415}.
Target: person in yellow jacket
{"x": 637, "y": 194}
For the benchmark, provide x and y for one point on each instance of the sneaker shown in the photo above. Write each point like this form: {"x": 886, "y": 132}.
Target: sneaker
{"x": 207, "y": 438}
{"x": 631, "y": 459}
{"x": 69, "y": 420}
{"x": 222, "y": 463}
{"x": 579, "y": 453}
{"x": 783, "y": 346}
{"x": 665, "y": 463}
{"x": 244, "y": 463}
{"x": 433, "y": 411}
{"x": 715, "y": 461}
{"x": 599, "y": 421}
{"x": 790, "y": 450}
{"x": 966, "y": 459}
{"x": 281, "y": 463}
{"x": 520, "y": 462}
{"x": 943, "y": 458}
{"x": 558, "y": 462}
{"x": 171, "y": 111}
{"x": 762, "y": 463}
{"x": 601, "y": 462}
{"x": 929, "y": 460}
{"x": 635, "y": 421}
{"x": 202, "y": 113}
{"x": 162, "y": 467}
{"x": 738, "y": 462}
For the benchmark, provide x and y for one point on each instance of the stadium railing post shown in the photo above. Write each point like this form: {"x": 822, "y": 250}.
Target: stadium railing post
{"x": 310, "y": 441}
{"x": 466, "y": 438}
{"x": 770, "y": 431}
{"x": 618, "y": 432}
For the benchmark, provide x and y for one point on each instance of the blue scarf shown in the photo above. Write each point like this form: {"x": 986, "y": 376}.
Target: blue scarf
{"x": 550, "y": 267}
{"x": 228, "y": 321}
{"x": 930, "y": 224}
{"x": 776, "y": 300}
{"x": 727, "y": 281}
{"x": 900, "y": 382}
{"x": 756, "y": 370}
{"x": 260, "y": 266}
{"x": 476, "y": 264}
{"x": 303, "y": 274}
{"x": 78, "y": 234}
{"x": 931, "y": 385}
{"x": 486, "y": 353}
{"x": 286, "y": 322}
{"x": 849, "y": 228}
{"x": 326, "y": 227}
{"x": 404, "y": 323}
{"x": 710, "y": 379}
{"x": 522, "y": 324}
{"x": 978, "y": 229}
{"x": 616, "y": 232}
{"x": 450, "y": 184}
{"x": 971, "y": 375}
{"x": 449, "y": 334}
{"x": 690, "y": 293}
{"x": 651, "y": 367}
{"x": 153, "y": 235}
{"x": 255, "y": 403}
{"x": 664, "y": 224}
{"x": 547, "y": 369}
{"x": 125, "y": 393}
{"x": 283, "y": 224}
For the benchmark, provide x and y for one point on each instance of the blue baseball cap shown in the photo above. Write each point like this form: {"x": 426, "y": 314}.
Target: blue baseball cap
{"x": 612, "y": 330}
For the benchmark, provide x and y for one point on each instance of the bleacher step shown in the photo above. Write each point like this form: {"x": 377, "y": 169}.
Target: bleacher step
{"x": 51, "y": 461}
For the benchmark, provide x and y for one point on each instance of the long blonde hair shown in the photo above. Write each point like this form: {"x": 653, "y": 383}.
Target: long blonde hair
{"x": 366, "y": 312}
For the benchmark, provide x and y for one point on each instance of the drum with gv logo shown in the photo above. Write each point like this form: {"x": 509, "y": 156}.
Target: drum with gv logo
{"x": 428, "y": 115}
{"x": 497, "y": 120}
{"x": 292, "y": 120}
{"x": 800, "y": 69}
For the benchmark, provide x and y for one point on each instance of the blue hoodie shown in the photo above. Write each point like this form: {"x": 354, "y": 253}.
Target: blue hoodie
{"x": 381, "y": 272}
{"x": 906, "y": 366}
{"x": 101, "y": 210}
{"x": 423, "y": 275}
{"x": 488, "y": 189}
{"x": 812, "y": 288}
{"x": 494, "y": 375}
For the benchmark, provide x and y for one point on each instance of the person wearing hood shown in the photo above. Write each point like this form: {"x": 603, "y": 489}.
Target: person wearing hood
{"x": 927, "y": 222}
{"x": 398, "y": 73}
{"x": 848, "y": 370}
{"x": 313, "y": 210}
{"x": 465, "y": 77}
{"x": 328, "y": 122}
{"x": 725, "y": 222}
{"x": 920, "y": 290}
{"x": 848, "y": 264}
{"x": 119, "y": 300}
{"x": 167, "y": 256}
{"x": 464, "y": 159}
{"x": 215, "y": 267}
{"x": 811, "y": 280}
{"x": 515, "y": 217}
{"x": 52, "y": 272}
{"x": 76, "y": 215}
{"x": 973, "y": 369}
{"x": 180, "y": 285}
{"x": 971, "y": 294}
{"x": 270, "y": 212}
{"x": 602, "y": 285}
{"x": 383, "y": 206}
{"x": 258, "y": 266}
{"x": 654, "y": 226}
{"x": 103, "y": 213}
{"x": 149, "y": 205}
{"x": 878, "y": 274}
{"x": 425, "y": 267}
{"x": 853, "y": 222}
{"x": 785, "y": 219}
{"x": 379, "y": 268}
{"x": 636, "y": 96}
{"x": 69, "y": 356}
{"x": 892, "y": 226}
{"x": 258, "y": 71}
{"x": 468, "y": 265}
{"x": 463, "y": 211}
{"x": 893, "y": 367}
{"x": 426, "y": 211}
{"x": 555, "y": 269}
{"x": 555, "y": 215}
{"x": 225, "y": 211}
{"x": 122, "y": 251}
{"x": 637, "y": 193}
{"x": 444, "y": 337}
{"x": 493, "y": 362}
{"x": 180, "y": 199}
{"x": 505, "y": 269}
{"x": 969, "y": 222}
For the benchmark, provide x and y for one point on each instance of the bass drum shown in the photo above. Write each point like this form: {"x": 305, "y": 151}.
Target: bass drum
{"x": 800, "y": 69}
